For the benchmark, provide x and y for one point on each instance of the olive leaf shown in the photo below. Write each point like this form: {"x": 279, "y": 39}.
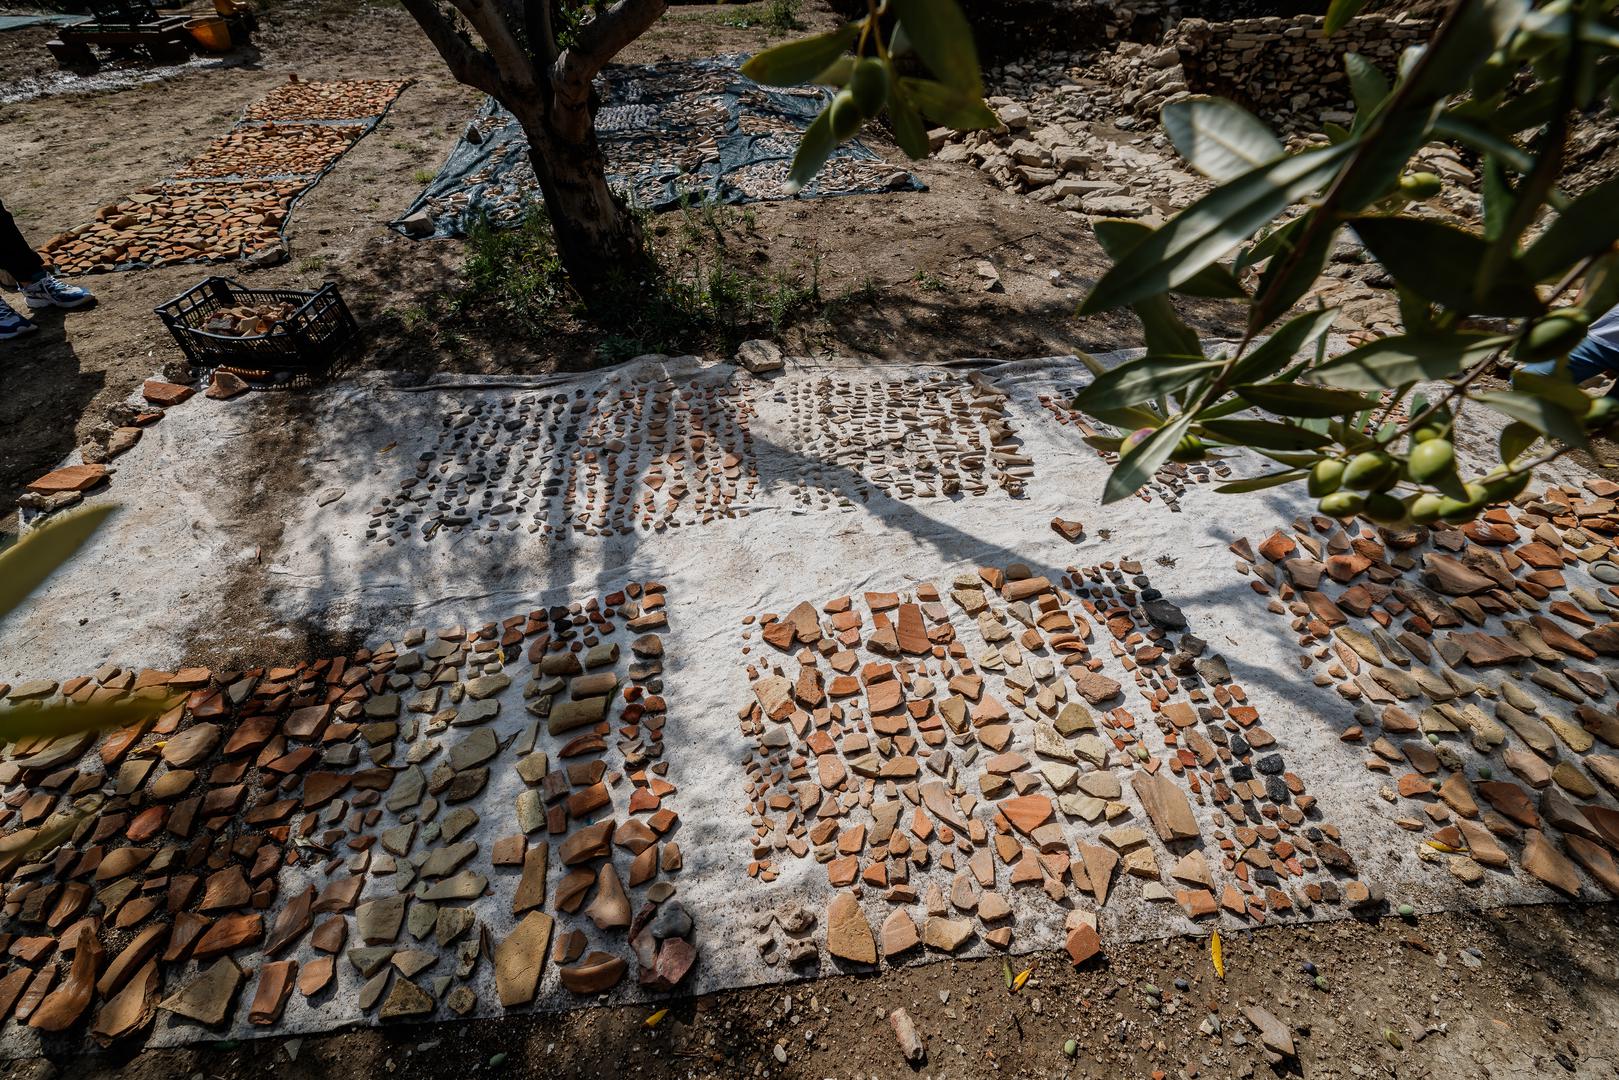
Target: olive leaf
{"x": 1138, "y": 464}
{"x": 1367, "y": 84}
{"x": 1143, "y": 379}
{"x": 1265, "y": 434}
{"x": 949, "y": 106}
{"x": 1441, "y": 262}
{"x": 813, "y": 150}
{"x": 1542, "y": 414}
{"x": 939, "y": 33}
{"x": 1219, "y": 138}
{"x": 19, "y": 723}
{"x": 26, "y": 566}
{"x": 1293, "y": 399}
{"x": 1212, "y": 227}
{"x": 1340, "y": 12}
{"x": 909, "y": 132}
{"x": 1399, "y": 361}
{"x": 1585, "y": 227}
{"x": 800, "y": 61}
{"x": 1516, "y": 437}
{"x": 1262, "y": 481}
{"x": 1278, "y": 350}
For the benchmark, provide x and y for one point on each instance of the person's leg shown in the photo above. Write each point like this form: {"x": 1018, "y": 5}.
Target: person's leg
{"x": 1587, "y": 360}
{"x": 1593, "y": 357}
{"x": 39, "y": 288}
{"x": 12, "y": 324}
{"x": 47, "y": 291}
{"x": 17, "y": 256}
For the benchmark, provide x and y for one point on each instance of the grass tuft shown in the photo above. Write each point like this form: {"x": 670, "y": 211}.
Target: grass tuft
{"x": 781, "y": 16}
{"x": 700, "y": 296}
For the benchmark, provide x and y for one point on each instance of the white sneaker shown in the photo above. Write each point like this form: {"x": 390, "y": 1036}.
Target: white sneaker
{"x": 12, "y": 324}
{"x": 49, "y": 291}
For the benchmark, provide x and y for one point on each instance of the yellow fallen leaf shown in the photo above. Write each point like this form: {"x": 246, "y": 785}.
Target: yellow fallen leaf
{"x": 656, "y": 1018}
{"x": 1446, "y": 848}
{"x": 1022, "y": 977}
{"x": 1217, "y": 954}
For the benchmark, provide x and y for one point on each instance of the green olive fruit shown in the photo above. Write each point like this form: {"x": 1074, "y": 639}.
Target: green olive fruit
{"x": 1384, "y": 509}
{"x": 1372, "y": 470}
{"x": 1555, "y": 333}
{"x": 1601, "y": 411}
{"x": 1420, "y": 185}
{"x": 1500, "y": 487}
{"x": 868, "y": 82}
{"x": 1459, "y": 511}
{"x": 1190, "y": 448}
{"x": 846, "y": 116}
{"x": 1342, "y": 504}
{"x": 1436, "y": 426}
{"x": 1326, "y": 476}
{"x": 1430, "y": 459}
{"x": 1424, "y": 509}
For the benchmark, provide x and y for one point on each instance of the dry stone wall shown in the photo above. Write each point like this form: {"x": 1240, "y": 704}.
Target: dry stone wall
{"x": 1276, "y": 65}
{"x": 1009, "y": 29}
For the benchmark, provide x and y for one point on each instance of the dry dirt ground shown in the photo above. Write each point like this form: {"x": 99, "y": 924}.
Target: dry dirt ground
{"x": 1519, "y": 992}
{"x": 1399, "y": 999}
{"x": 897, "y": 269}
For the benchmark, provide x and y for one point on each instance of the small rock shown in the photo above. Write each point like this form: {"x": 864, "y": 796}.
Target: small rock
{"x": 905, "y": 1031}
{"x": 759, "y": 356}
{"x": 1272, "y": 1032}
{"x": 420, "y": 224}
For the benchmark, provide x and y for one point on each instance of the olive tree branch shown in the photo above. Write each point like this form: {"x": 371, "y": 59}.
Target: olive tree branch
{"x": 1325, "y": 213}
{"x": 467, "y": 62}
{"x": 1457, "y": 389}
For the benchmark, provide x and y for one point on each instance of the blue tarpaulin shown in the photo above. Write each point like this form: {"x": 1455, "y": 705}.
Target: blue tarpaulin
{"x": 675, "y": 133}
{"x": 17, "y": 22}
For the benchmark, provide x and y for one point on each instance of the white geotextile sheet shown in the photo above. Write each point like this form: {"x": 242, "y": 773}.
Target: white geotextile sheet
{"x": 328, "y": 574}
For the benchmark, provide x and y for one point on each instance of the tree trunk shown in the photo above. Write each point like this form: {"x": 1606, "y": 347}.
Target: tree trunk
{"x": 598, "y": 239}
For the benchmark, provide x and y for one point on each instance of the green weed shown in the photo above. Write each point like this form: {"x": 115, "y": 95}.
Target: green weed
{"x": 698, "y": 297}
{"x": 516, "y": 273}
{"x": 867, "y": 292}
{"x": 775, "y": 16}
{"x": 781, "y": 16}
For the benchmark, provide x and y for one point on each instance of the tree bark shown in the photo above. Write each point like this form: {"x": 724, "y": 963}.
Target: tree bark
{"x": 549, "y": 92}
{"x": 598, "y": 238}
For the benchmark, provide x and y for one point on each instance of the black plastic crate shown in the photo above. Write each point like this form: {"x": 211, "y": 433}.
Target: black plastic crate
{"x": 301, "y": 346}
